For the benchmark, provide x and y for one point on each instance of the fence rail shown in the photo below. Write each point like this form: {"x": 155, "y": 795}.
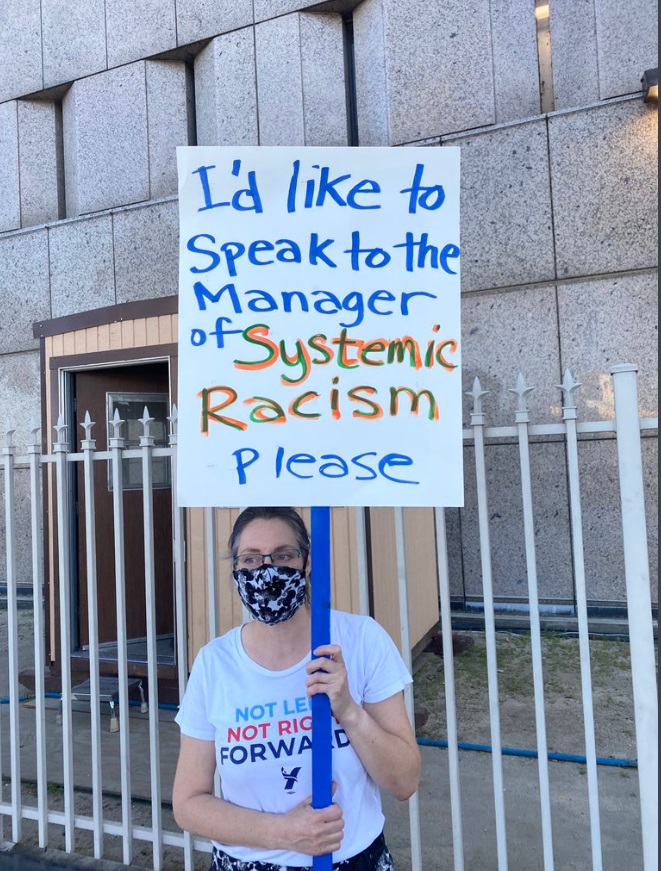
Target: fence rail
{"x": 58, "y": 466}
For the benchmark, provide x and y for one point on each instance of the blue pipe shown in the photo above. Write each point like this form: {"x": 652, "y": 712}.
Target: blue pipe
{"x": 431, "y": 742}
{"x": 532, "y": 754}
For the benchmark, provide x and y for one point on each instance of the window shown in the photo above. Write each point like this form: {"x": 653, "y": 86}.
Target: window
{"x": 130, "y": 408}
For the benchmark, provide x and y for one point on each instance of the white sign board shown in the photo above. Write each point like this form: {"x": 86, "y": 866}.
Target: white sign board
{"x": 319, "y": 327}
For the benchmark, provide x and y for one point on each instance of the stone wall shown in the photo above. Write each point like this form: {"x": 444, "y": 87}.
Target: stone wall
{"x": 559, "y": 195}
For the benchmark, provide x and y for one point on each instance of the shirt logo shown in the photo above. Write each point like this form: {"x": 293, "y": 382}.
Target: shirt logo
{"x": 291, "y": 778}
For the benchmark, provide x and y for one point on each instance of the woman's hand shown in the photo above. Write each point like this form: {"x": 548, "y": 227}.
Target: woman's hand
{"x": 380, "y": 732}
{"x": 310, "y": 831}
{"x": 328, "y": 674}
{"x": 313, "y": 831}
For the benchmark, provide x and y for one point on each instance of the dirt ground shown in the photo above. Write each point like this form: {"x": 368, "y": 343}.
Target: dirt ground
{"x": 611, "y": 692}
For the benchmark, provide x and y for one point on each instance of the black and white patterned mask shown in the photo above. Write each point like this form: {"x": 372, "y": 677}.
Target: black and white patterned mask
{"x": 272, "y": 594}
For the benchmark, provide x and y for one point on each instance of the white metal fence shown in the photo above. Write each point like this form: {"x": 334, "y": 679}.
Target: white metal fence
{"x": 16, "y": 807}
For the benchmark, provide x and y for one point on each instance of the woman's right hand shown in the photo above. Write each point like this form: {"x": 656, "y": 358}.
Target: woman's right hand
{"x": 313, "y": 831}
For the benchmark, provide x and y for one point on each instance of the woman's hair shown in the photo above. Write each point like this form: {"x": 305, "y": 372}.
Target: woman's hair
{"x": 289, "y": 515}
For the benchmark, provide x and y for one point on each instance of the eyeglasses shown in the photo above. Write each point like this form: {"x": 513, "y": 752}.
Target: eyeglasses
{"x": 284, "y": 557}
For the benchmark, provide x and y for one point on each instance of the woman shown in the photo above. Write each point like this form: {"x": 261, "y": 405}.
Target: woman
{"x": 246, "y": 711}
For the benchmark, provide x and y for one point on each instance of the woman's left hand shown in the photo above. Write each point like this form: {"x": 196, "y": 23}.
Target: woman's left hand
{"x": 328, "y": 674}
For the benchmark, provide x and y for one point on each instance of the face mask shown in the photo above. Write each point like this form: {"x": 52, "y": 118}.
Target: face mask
{"x": 272, "y": 594}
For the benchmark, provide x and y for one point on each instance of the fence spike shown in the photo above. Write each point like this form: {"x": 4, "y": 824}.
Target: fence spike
{"x": 146, "y": 422}
{"x": 60, "y": 430}
{"x": 568, "y": 387}
{"x": 35, "y": 429}
{"x": 477, "y": 393}
{"x": 116, "y": 423}
{"x": 9, "y": 435}
{"x": 522, "y": 390}
{"x": 174, "y": 420}
{"x": 87, "y": 425}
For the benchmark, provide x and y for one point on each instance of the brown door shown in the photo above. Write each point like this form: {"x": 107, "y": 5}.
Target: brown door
{"x": 127, "y": 389}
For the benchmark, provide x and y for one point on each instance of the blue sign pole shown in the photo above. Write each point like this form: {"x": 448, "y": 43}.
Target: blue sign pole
{"x": 322, "y": 766}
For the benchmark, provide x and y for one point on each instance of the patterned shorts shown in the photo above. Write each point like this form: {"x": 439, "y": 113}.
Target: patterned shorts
{"x": 376, "y": 857}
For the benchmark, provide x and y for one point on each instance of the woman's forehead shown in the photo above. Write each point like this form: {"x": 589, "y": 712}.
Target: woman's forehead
{"x": 261, "y": 532}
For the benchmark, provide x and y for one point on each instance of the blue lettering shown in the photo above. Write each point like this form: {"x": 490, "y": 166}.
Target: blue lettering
{"x": 299, "y": 458}
{"x": 407, "y": 296}
{"x": 356, "y": 461}
{"x": 263, "y": 301}
{"x": 282, "y": 747}
{"x": 256, "y": 247}
{"x": 197, "y": 337}
{"x": 427, "y": 254}
{"x": 202, "y": 294}
{"x": 251, "y": 193}
{"x": 395, "y": 460}
{"x": 326, "y": 186}
{"x": 353, "y": 302}
{"x": 375, "y": 258}
{"x": 326, "y": 302}
{"x": 327, "y": 297}
{"x": 423, "y": 251}
{"x": 366, "y": 186}
{"x": 317, "y": 251}
{"x": 329, "y": 466}
{"x": 449, "y": 252}
{"x": 232, "y": 252}
{"x": 238, "y": 755}
{"x": 220, "y": 332}
{"x": 289, "y": 253}
{"x": 377, "y": 296}
{"x": 293, "y": 182}
{"x": 309, "y": 190}
{"x": 203, "y": 173}
{"x": 326, "y": 469}
{"x": 341, "y": 739}
{"x": 242, "y": 465}
{"x": 257, "y": 751}
{"x": 215, "y": 258}
{"x": 289, "y": 296}
{"x": 430, "y": 197}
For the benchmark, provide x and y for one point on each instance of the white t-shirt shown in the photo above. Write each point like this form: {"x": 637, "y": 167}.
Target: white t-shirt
{"x": 261, "y": 723}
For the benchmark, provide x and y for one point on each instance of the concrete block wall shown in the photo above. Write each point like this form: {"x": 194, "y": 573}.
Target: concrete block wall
{"x": 30, "y": 189}
{"x": 559, "y": 192}
{"x": 121, "y": 129}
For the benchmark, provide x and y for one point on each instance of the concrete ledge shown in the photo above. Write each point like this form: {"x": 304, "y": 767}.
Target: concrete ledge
{"x": 16, "y": 857}
{"x": 614, "y": 628}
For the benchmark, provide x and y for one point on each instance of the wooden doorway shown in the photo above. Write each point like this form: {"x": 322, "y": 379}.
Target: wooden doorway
{"x": 127, "y": 389}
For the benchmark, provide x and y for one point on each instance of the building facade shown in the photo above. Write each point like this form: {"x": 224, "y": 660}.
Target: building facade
{"x": 559, "y": 223}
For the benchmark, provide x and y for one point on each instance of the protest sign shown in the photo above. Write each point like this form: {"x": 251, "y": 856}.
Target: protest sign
{"x": 319, "y": 327}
